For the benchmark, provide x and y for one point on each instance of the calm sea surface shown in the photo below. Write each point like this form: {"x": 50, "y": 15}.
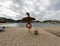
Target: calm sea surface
{"x": 33, "y": 24}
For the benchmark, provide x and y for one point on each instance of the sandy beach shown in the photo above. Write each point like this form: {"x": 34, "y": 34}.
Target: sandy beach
{"x": 19, "y": 36}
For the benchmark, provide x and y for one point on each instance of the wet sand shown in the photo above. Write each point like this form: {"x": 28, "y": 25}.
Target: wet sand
{"x": 19, "y": 36}
{"x": 53, "y": 30}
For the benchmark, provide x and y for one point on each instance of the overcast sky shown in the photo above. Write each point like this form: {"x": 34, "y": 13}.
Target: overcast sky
{"x": 40, "y": 9}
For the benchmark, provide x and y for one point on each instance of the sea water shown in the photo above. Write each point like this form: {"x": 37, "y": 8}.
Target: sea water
{"x": 33, "y": 24}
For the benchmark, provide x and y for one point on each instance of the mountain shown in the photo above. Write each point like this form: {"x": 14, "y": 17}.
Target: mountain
{"x": 51, "y": 21}
{"x": 5, "y": 20}
{"x": 2, "y": 20}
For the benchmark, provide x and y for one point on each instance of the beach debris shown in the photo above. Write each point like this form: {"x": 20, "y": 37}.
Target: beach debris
{"x": 36, "y": 32}
{"x": 2, "y": 28}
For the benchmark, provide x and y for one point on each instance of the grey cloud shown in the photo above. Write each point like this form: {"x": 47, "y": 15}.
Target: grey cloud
{"x": 54, "y": 5}
{"x": 35, "y": 10}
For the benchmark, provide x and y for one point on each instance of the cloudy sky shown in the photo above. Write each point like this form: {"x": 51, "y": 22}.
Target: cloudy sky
{"x": 40, "y": 9}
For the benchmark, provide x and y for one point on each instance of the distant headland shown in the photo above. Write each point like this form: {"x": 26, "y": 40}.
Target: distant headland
{"x": 7, "y": 20}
